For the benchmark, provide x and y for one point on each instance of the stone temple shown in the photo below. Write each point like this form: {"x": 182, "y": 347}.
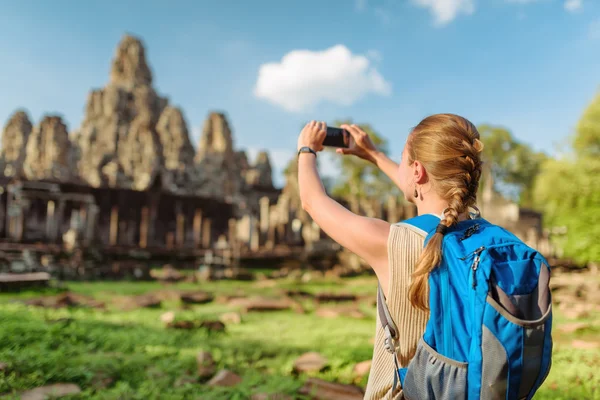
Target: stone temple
{"x": 128, "y": 186}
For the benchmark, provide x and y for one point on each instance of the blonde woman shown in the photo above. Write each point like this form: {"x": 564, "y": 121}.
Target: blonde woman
{"x": 439, "y": 173}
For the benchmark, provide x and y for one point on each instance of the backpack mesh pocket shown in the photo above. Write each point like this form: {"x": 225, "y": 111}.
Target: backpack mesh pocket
{"x": 516, "y": 337}
{"x": 431, "y": 375}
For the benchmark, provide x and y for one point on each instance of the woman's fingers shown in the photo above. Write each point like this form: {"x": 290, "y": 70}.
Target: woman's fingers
{"x": 344, "y": 151}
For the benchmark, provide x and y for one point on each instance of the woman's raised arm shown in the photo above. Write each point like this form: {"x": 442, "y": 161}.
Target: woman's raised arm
{"x": 366, "y": 237}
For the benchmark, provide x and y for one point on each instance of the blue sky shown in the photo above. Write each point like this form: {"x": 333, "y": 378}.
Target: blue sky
{"x": 529, "y": 65}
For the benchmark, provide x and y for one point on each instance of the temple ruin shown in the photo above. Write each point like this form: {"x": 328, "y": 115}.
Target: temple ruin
{"x": 127, "y": 188}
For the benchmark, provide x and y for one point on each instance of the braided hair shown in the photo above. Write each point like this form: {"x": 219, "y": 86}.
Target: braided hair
{"x": 449, "y": 148}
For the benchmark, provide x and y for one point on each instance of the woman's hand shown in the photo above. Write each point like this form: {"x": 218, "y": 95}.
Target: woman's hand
{"x": 312, "y": 135}
{"x": 360, "y": 145}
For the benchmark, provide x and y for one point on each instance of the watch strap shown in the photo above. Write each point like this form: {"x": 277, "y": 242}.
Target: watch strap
{"x": 307, "y": 149}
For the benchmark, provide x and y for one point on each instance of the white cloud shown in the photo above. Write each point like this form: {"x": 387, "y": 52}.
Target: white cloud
{"x": 573, "y": 5}
{"x": 304, "y": 79}
{"x": 444, "y": 11}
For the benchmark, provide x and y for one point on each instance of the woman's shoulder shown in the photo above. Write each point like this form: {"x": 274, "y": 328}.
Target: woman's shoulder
{"x": 402, "y": 229}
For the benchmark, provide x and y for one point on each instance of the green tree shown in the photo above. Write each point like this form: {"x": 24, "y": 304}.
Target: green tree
{"x": 513, "y": 165}
{"x": 362, "y": 179}
{"x": 587, "y": 138}
{"x": 568, "y": 191}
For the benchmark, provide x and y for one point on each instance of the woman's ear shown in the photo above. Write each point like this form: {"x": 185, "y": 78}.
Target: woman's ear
{"x": 419, "y": 173}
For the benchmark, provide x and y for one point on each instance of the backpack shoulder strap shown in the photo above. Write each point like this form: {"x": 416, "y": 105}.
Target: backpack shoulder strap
{"x": 422, "y": 225}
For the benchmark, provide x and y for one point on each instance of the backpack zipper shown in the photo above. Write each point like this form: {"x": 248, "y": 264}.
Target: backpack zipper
{"x": 475, "y": 264}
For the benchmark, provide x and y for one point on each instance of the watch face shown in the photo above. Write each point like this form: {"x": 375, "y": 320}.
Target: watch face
{"x": 306, "y": 149}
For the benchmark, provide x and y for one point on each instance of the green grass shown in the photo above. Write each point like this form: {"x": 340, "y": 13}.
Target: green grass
{"x": 141, "y": 359}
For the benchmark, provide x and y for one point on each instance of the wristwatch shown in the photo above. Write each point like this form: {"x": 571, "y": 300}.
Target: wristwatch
{"x": 307, "y": 149}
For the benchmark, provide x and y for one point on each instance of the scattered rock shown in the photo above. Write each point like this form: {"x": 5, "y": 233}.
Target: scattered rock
{"x": 66, "y": 299}
{"x": 167, "y": 317}
{"x": 261, "y": 304}
{"x": 319, "y": 389}
{"x": 370, "y": 300}
{"x": 326, "y": 297}
{"x": 206, "y": 365}
{"x": 307, "y": 277}
{"x": 362, "y": 369}
{"x": 270, "y": 396}
{"x": 196, "y": 298}
{"x": 327, "y": 313}
{"x": 182, "y": 325}
{"x": 232, "y": 300}
{"x": 167, "y": 295}
{"x": 218, "y": 272}
{"x": 225, "y": 378}
{"x": 167, "y": 274}
{"x": 578, "y": 310}
{"x": 214, "y": 326}
{"x": 582, "y": 344}
{"x": 147, "y": 301}
{"x": 573, "y": 327}
{"x": 39, "y": 302}
{"x": 55, "y": 390}
{"x": 310, "y": 362}
{"x": 232, "y": 318}
{"x": 265, "y": 283}
{"x": 330, "y": 312}
{"x": 296, "y": 306}
{"x": 299, "y": 293}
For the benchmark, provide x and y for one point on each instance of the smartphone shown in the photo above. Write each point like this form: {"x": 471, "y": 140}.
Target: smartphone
{"x": 337, "y": 137}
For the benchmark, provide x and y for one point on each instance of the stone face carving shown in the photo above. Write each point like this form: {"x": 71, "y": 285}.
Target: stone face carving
{"x": 119, "y": 143}
{"x": 129, "y": 67}
{"x": 14, "y": 139}
{"x": 130, "y": 137}
{"x": 261, "y": 174}
{"x": 47, "y": 151}
{"x": 216, "y": 160}
{"x": 216, "y": 139}
{"x": 139, "y": 154}
{"x": 179, "y": 172}
{"x": 178, "y": 151}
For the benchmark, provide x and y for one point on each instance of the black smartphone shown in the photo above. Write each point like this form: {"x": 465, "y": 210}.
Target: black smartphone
{"x": 337, "y": 137}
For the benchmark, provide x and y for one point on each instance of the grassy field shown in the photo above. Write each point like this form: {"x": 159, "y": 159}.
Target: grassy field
{"x": 117, "y": 354}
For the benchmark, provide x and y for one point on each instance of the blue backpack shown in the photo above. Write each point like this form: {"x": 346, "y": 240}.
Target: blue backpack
{"x": 489, "y": 329}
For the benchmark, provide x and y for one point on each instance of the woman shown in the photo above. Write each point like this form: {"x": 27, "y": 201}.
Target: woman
{"x": 439, "y": 173}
